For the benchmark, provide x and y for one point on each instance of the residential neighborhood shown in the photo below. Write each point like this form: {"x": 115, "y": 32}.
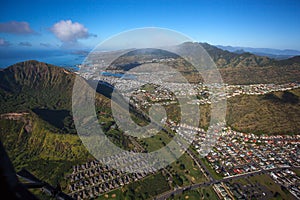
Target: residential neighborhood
{"x": 92, "y": 179}
{"x": 162, "y": 89}
{"x": 235, "y": 155}
{"x": 220, "y": 153}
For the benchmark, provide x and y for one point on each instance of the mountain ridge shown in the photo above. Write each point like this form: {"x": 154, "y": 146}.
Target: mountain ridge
{"x": 224, "y": 58}
{"x": 25, "y": 78}
{"x": 270, "y": 52}
{"x": 235, "y": 68}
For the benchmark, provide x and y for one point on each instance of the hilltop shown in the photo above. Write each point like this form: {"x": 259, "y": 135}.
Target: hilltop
{"x": 31, "y": 84}
{"x": 248, "y": 68}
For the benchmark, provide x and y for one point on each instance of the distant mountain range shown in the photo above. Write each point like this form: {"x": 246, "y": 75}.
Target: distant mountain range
{"x": 224, "y": 58}
{"x": 272, "y": 53}
{"x": 235, "y": 68}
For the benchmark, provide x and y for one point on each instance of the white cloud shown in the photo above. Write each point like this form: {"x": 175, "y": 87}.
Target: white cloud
{"x": 15, "y": 27}
{"x": 69, "y": 32}
{"x": 4, "y": 43}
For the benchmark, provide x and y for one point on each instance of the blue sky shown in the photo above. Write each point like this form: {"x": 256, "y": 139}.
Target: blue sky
{"x": 273, "y": 24}
{"x": 44, "y": 24}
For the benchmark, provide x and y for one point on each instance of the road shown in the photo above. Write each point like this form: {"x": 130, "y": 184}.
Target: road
{"x": 180, "y": 190}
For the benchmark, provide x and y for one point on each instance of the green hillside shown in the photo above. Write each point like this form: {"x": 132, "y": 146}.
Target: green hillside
{"x": 48, "y": 155}
{"x": 273, "y": 113}
{"x": 32, "y": 84}
{"x": 37, "y": 127}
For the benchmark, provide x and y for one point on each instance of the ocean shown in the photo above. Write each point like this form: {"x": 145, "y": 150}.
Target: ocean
{"x": 62, "y": 58}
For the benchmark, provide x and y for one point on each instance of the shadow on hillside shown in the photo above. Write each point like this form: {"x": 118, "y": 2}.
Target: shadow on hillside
{"x": 60, "y": 119}
{"x": 287, "y": 97}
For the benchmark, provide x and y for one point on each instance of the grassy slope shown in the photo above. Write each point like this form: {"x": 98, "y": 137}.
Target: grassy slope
{"x": 46, "y": 154}
{"x": 273, "y": 113}
{"x": 266, "y": 74}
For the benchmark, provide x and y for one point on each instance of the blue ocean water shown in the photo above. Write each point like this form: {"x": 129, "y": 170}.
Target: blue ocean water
{"x": 55, "y": 57}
